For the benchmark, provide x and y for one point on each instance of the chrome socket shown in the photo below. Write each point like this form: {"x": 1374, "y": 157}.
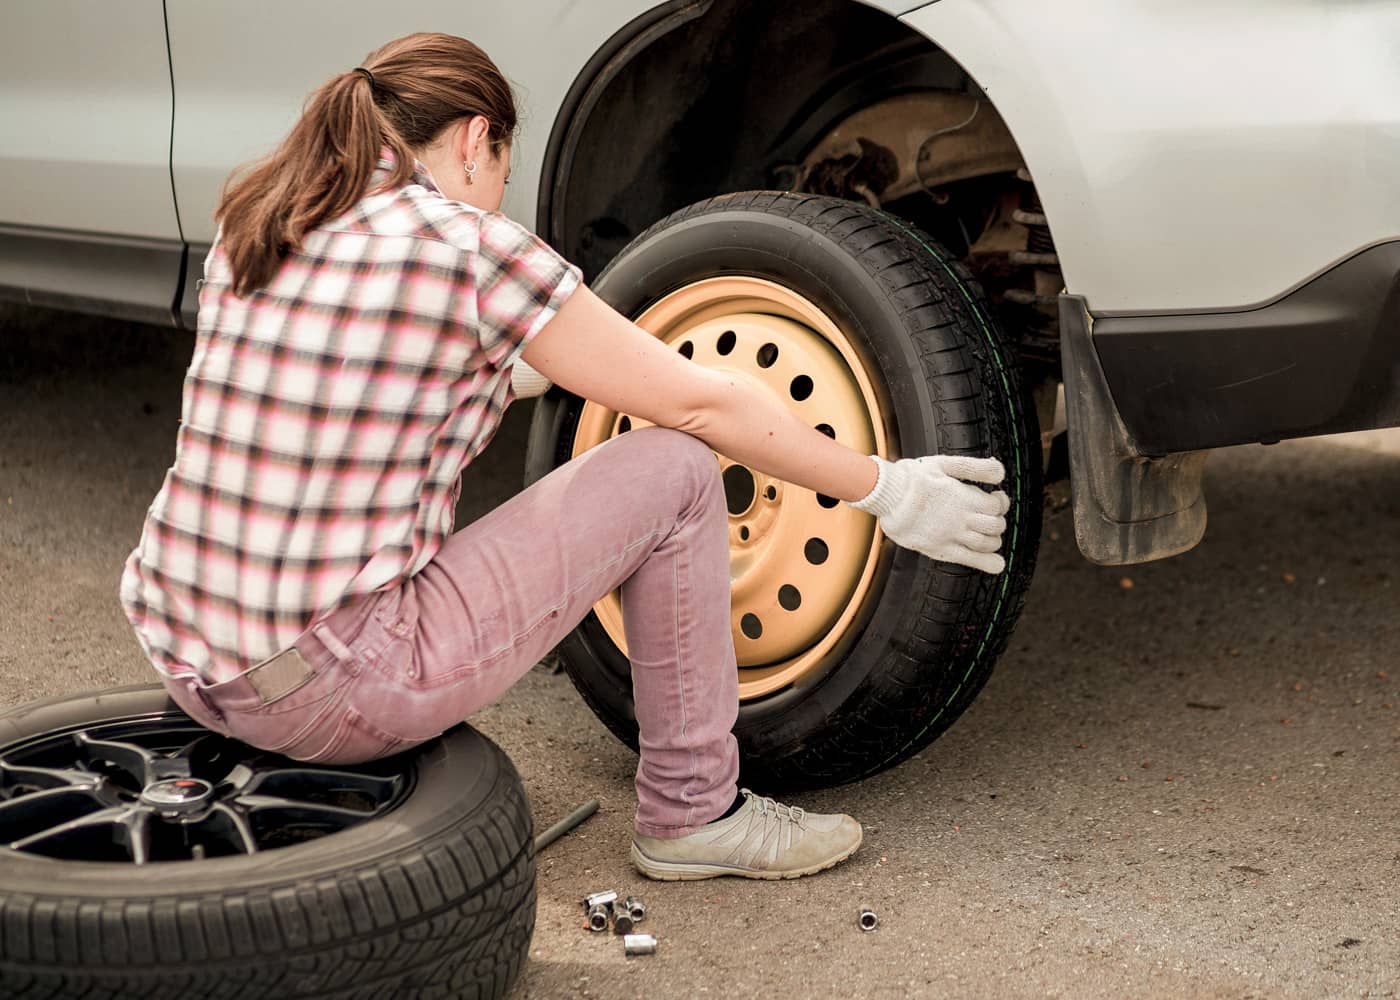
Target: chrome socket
{"x": 868, "y": 920}
{"x": 598, "y": 917}
{"x": 635, "y": 908}
{"x": 639, "y": 944}
{"x": 599, "y": 899}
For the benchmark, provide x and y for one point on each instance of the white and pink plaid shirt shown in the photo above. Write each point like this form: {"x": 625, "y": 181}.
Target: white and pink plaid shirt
{"x": 327, "y": 419}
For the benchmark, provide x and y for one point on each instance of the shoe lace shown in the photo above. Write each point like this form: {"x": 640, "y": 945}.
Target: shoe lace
{"x": 766, "y": 806}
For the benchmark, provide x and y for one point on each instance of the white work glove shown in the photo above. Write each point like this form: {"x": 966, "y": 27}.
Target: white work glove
{"x": 526, "y": 381}
{"x": 923, "y": 504}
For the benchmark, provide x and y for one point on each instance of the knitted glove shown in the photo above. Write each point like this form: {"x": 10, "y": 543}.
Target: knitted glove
{"x": 526, "y": 381}
{"x": 923, "y": 504}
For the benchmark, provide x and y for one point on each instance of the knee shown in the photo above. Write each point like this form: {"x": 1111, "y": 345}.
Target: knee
{"x": 685, "y": 456}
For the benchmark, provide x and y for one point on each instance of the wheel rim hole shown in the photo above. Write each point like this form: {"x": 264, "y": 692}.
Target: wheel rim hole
{"x": 771, "y": 493}
{"x": 687, "y": 350}
{"x": 744, "y": 533}
{"x": 624, "y": 425}
{"x": 751, "y": 626}
{"x": 800, "y": 388}
{"x": 816, "y": 551}
{"x": 789, "y": 597}
{"x": 826, "y": 501}
{"x": 739, "y": 489}
{"x": 767, "y": 354}
{"x": 726, "y": 342}
{"x": 828, "y": 430}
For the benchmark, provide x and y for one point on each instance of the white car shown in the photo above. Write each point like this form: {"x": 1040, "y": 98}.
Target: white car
{"x": 914, "y": 222}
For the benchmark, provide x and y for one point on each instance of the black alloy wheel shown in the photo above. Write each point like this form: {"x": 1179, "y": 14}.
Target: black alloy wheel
{"x": 144, "y": 857}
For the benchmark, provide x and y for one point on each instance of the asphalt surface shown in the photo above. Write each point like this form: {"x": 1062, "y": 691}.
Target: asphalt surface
{"x": 1180, "y": 781}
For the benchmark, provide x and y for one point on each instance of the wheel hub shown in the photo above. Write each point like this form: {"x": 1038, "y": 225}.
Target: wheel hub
{"x": 800, "y": 563}
{"x": 179, "y": 796}
{"x": 160, "y": 788}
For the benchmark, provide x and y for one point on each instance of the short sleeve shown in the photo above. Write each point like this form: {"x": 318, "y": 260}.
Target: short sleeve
{"x": 520, "y": 283}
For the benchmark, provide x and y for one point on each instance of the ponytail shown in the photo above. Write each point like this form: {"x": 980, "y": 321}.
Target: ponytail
{"x": 408, "y": 93}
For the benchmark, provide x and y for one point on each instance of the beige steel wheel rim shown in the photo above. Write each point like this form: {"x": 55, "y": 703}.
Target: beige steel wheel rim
{"x": 801, "y": 566}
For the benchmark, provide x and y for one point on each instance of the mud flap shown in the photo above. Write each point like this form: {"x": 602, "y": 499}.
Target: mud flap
{"x": 1128, "y": 507}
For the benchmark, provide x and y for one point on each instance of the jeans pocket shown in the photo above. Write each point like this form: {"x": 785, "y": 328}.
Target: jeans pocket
{"x": 355, "y": 741}
{"x": 277, "y": 728}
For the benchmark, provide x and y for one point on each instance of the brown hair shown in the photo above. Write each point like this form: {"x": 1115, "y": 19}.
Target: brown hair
{"x": 416, "y": 87}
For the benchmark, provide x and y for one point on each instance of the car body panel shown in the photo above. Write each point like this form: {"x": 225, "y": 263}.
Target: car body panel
{"x": 85, "y": 109}
{"x": 241, "y": 71}
{"x": 1203, "y": 155}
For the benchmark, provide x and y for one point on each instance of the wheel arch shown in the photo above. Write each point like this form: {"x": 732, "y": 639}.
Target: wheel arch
{"x": 651, "y": 100}
{"x": 993, "y": 57}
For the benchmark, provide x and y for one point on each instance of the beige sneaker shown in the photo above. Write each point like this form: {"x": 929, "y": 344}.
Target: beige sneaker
{"x": 763, "y": 839}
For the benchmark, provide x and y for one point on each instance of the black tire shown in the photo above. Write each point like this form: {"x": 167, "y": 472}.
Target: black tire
{"x": 930, "y": 636}
{"x": 435, "y": 899}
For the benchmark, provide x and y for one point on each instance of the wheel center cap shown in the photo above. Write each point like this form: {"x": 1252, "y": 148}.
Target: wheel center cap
{"x": 178, "y": 794}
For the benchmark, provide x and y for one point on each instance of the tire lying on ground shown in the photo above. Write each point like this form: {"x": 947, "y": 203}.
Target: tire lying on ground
{"x": 853, "y": 653}
{"x": 408, "y": 877}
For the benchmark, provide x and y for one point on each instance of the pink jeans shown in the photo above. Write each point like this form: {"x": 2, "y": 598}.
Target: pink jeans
{"x": 644, "y": 511}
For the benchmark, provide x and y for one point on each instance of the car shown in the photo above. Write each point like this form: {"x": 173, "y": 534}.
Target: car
{"x": 1094, "y": 239}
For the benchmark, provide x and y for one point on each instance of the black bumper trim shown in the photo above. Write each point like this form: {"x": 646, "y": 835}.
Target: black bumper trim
{"x": 1323, "y": 359}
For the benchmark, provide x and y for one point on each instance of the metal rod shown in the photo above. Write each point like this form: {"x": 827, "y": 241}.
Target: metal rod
{"x": 566, "y": 824}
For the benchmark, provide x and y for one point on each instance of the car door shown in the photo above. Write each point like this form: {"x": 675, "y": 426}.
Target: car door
{"x": 87, "y": 211}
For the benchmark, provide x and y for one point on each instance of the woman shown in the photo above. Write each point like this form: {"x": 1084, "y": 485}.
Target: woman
{"x": 366, "y": 315}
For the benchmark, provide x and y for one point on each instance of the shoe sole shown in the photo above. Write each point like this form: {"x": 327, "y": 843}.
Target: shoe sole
{"x": 692, "y": 871}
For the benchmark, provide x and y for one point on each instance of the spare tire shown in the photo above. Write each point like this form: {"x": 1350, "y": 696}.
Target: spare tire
{"x": 853, "y": 653}
{"x": 144, "y": 857}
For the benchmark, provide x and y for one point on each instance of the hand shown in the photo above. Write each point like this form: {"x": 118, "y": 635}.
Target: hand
{"x": 923, "y": 504}
{"x": 526, "y": 381}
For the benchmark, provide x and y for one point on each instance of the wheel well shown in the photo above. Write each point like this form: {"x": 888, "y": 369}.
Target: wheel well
{"x": 709, "y": 97}
{"x": 714, "y": 98}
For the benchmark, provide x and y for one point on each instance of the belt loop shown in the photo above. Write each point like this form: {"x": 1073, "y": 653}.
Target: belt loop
{"x": 337, "y": 648}
{"x": 199, "y": 694}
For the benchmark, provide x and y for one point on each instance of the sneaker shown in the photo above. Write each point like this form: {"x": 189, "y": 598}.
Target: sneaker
{"x": 763, "y": 839}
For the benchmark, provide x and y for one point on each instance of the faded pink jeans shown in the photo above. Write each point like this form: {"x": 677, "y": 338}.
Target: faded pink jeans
{"x": 644, "y": 511}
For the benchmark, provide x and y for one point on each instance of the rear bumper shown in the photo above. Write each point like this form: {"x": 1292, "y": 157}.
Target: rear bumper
{"x": 1323, "y": 359}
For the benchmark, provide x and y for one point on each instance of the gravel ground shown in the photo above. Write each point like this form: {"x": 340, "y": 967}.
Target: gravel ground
{"x": 1180, "y": 781}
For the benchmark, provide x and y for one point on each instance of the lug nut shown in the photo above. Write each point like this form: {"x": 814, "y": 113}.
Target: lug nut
{"x": 622, "y": 920}
{"x": 639, "y": 944}
{"x": 868, "y": 920}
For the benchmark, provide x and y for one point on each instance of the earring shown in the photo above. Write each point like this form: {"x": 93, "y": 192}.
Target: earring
{"x": 470, "y": 168}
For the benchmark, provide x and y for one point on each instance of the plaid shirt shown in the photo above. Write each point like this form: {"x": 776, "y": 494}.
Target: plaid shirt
{"x": 327, "y": 419}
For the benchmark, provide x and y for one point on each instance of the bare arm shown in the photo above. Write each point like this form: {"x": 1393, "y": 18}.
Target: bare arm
{"x": 591, "y": 350}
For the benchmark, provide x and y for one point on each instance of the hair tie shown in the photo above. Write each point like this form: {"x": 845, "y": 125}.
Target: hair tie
{"x": 366, "y": 74}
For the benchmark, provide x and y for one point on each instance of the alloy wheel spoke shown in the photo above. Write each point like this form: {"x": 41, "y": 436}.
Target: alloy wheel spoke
{"x": 45, "y": 777}
{"x": 243, "y": 836}
{"x": 311, "y": 810}
{"x": 287, "y": 781}
{"x": 135, "y": 760}
{"x": 111, "y": 816}
{"x": 36, "y": 811}
{"x": 136, "y": 831}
